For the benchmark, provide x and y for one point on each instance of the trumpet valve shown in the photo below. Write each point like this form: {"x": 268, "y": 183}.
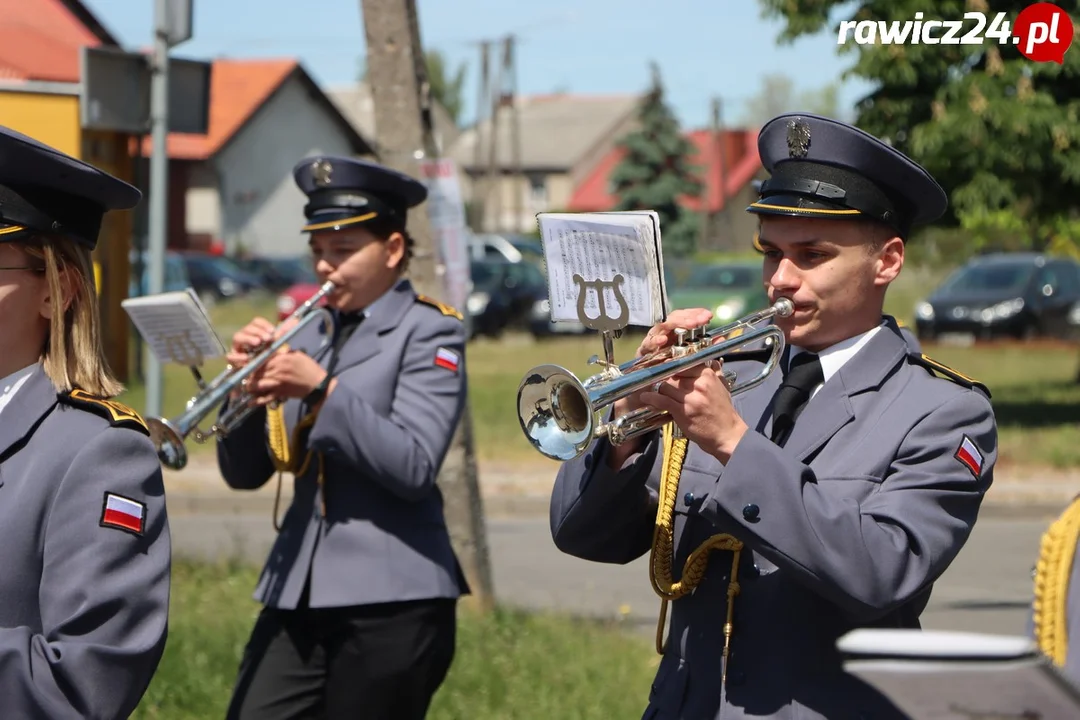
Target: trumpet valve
{"x": 699, "y": 338}
{"x": 681, "y": 348}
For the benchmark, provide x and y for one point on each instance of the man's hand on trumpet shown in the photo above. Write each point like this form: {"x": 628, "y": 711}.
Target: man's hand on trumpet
{"x": 699, "y": 402}
{"x": 701, "y": 406}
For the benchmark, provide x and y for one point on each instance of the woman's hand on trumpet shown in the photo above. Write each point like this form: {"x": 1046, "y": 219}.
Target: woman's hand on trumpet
{"x": 290, "y": 374}
{"x": 245, "y": 344}
{"x": 248, "y": 339}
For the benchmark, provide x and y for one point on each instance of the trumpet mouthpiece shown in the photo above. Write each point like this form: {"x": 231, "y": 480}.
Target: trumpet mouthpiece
{"x": 784, "y": 306}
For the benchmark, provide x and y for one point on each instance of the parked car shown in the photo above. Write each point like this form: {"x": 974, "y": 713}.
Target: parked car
{"x": 503, "y": 295}
{"x": 294, "y": 296}
{"x": 217, "y": 278}
{"x": 278, "y": 273}
{"x": 1019, "y": 295}
{"x": 730, "y": 290}
{"x": 176, "y": 275}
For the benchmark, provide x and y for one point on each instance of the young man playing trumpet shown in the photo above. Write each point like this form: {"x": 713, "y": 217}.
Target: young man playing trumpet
{"x": 827, "y": 498}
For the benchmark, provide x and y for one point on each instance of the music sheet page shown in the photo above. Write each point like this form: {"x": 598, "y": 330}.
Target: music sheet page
{"x": 597, "y": 252}
{"x": 176, "y": 326}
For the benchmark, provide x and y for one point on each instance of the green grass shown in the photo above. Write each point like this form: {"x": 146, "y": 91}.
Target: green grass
{"x": 509, "y": 665}
{"x": 1037, "y": 402}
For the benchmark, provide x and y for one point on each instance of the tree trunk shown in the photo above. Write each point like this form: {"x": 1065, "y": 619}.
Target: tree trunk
{"x": 404, "y": 131}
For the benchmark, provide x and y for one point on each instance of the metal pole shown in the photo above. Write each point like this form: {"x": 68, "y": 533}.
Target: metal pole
{"x": 157, "y": 225}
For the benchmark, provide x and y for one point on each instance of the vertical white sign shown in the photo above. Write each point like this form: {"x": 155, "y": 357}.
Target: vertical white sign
{"x": 446, "y": 211}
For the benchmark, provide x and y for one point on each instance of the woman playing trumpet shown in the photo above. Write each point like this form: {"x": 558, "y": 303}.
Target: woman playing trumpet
{"x": 360, "y": 588}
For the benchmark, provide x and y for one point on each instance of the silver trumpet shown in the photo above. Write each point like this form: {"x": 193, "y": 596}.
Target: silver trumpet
{"x": 168, "y": 435}
{"x": 559, "y": 413}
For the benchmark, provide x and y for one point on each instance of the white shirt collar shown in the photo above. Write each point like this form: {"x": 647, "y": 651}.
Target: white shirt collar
{"x": 11, "y": 384}
{"x": 834, "y": 356}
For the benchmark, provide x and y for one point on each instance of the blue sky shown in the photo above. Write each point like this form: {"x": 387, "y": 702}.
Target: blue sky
{"x": 704, "y": 48}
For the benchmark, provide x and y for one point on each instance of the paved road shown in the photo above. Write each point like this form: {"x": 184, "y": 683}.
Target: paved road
{"x": 987, "y": 589}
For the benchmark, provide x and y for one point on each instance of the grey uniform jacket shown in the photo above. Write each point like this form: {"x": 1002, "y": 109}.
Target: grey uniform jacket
{"x": 382, "y": 434}
{"x": 846, "y": 526}
{"x": 84, "y": 593}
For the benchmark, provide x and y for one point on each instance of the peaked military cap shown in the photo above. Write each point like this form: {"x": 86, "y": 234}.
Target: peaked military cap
{"x": 44, "y": 190}
{"x": 344, "y": 191}
{"x": 824, "y": 168}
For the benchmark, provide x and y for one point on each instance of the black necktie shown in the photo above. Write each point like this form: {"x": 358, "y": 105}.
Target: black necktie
{"x": 347, "y": 324}
{"x": 803, "y": 375}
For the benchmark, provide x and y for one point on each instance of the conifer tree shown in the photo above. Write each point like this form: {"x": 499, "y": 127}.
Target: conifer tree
{"x": 656, "y": 173}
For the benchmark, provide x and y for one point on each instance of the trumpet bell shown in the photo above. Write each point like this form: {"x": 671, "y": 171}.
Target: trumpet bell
{"x": 555, "y": 412}
{"x": 560, "y": 414}
{"x": 169, "y": 443}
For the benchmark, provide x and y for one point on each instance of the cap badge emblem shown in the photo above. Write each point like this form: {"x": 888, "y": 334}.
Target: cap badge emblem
{"x": 798, "y": 138}
{"x": 321, "y": 171}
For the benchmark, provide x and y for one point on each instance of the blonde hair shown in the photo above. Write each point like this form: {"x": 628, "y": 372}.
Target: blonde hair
{"x": 73, "y": 355}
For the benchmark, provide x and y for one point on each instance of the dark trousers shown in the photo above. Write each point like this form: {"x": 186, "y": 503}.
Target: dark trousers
{"x": 375, "y": 662}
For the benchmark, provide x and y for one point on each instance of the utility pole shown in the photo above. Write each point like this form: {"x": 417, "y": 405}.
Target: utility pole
{"x": 172, "y": 26}
{"x": 399, "y": 86}
{"x": 492, "y": 186}
{"x": 721, "y": 141}
{"x": 159, "y": 187}
{"x": 479, "y": 187}
{"x": 509, "y": 100}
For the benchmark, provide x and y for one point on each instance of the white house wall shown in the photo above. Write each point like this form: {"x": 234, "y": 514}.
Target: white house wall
{"x": 261, "y": 207}
{"x": 203, "y": 205}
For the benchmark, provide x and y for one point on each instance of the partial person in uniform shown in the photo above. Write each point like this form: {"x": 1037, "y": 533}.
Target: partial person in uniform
{"x": 829, "y": 497}
{"x": 1054, "y": 622}
{"x": 361, "y": 586}
{"x": 84, "y": 538}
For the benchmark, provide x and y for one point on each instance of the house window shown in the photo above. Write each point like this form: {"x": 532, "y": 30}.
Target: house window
{"x": 538, "y": 194}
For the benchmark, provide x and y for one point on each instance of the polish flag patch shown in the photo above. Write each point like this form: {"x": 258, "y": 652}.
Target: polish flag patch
{"x": 968, "y": 454}
{"x": 123, "y": 514}
{"x": 446, "y": 358}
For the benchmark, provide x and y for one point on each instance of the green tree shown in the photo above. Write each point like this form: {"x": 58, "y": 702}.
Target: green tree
{"x": 1000, "y": 132}
{"x": 777, "y": 95}
{"x": 655, "y": 173}
{"x": 446, "y": 87}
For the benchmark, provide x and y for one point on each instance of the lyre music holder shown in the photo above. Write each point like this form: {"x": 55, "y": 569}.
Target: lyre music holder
{"x": 611, "y": 328}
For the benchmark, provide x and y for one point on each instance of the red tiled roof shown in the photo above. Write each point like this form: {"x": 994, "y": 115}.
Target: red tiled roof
{"x": 238, "y": 88}
{"x": 41, "y": 40}
{"x": 740, "y": 157}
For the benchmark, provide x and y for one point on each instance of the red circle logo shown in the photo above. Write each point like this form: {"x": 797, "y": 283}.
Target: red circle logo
{"x": 1043, "y": 32}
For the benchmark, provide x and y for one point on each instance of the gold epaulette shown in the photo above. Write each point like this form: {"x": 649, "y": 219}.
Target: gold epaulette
{"x": 441, "y": 307}
{"x": 118, "y": 414}
{"x": 957, "y": 377}
{"x": 1057, "y": 553}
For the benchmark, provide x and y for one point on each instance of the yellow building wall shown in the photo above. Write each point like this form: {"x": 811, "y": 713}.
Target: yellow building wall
{"x": 51, "y": 119}
{"x": 54, "y": 120}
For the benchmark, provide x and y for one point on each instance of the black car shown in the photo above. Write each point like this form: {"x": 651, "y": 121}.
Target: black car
{"x": 279, "y": 273}
{"x": 217, "y": 278}
{"x": 503, "y": 295}
{"x": 1019, "y": 295}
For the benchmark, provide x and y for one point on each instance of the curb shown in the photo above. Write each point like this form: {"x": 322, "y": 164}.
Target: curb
{"x": 1003, "y": 504}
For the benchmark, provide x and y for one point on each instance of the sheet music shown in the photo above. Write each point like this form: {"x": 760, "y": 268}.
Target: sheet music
{"x": 941, "y": 675}
{"x": 598, "y": 249}
{"x": 176, "y": 326}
